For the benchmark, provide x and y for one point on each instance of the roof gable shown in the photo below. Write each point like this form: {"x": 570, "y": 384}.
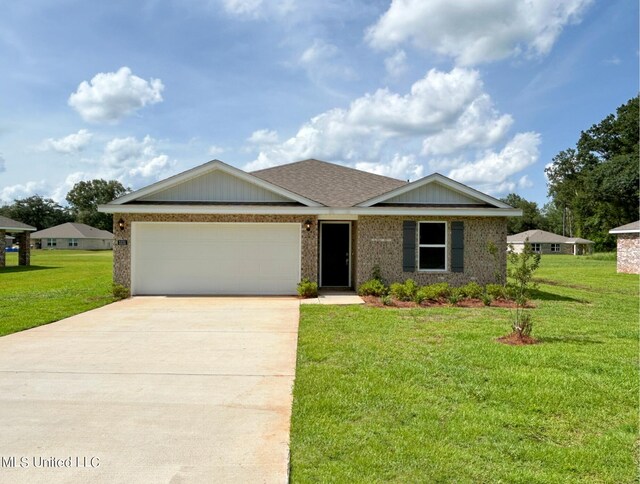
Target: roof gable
{"x": 330, "y": 184}
{"x": 214, "y": 182}
{"x": 435, "y": 189}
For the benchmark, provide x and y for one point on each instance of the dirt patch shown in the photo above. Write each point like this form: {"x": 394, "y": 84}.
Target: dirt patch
{"x": 514, "y": 339}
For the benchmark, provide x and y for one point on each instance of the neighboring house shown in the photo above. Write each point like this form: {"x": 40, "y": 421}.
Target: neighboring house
{"x": 545, "y": 242}
{"x": 216, "y": 229}
{"x": 628, "y": 247}
{"x": 73, "y": 235}
{"x": 21, "y": 230}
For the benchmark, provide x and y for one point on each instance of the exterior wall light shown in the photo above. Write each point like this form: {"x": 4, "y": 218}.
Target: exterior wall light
{"x": 307, "y": 225}
{"x": 121, "y": 224}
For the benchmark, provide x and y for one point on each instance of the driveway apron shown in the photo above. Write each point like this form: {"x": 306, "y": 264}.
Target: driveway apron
{"x": 151, "y": 389}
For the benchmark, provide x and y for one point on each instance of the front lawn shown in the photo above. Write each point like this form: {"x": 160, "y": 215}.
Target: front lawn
{"x": 58, "y": 284}
{"x": 428, "y": 395}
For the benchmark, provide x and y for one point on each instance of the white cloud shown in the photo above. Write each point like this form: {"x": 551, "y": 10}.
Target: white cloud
{"x": 110, "y": 96}
{"x": 376, "y": 127}
{"x": 476, "y": 31}
{"x": 13, "y": 192}
{"x": 323, "y": 60}
{"x": 263, "y": 137}
{"x": 215, "y": 150}
{"x": 614, "y": 61}
{"x": 253, "y": 9}
{"x": 480, "y": 125}
{"x": 493, "y": 171}
{"x": 133, "y": 162}
{"x": 72, "y": 143}
{"x": 396, "y": 65}
{"x": 400, "y": 166}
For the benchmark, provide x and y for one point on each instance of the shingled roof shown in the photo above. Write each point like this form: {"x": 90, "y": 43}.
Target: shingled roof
{"x": 544, "y": 237}
{"x": 633, "y": 227}
{"x": 327, "y": 183}
{"x": 72, "y": 230}
{"x": 8, "y": 224}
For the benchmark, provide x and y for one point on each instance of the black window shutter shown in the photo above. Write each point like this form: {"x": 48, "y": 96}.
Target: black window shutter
{"x": 457, "y": 246}
{"x": 408, "y": 246}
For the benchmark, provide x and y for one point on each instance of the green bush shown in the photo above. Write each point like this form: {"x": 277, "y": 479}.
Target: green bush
{"x": 404, "y": 292}
{"x": 120, "y": 292}
{"x": 496, "y": 291}
{"x": 472, "y": 290}
{"x": 386, "y": 300}
{"x": 433, "y": 292}
{"x": 307, "y": 289}
{"x": 372, "y": 287}
{"x": 455, "y": 296}
{"x": 486, "y": 299}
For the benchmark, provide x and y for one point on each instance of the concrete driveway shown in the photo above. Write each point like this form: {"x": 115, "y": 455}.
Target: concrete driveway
{"x": 151, "y": 389}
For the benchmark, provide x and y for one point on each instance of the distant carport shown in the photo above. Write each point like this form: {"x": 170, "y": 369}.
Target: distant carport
{"x": 22, "y": 232}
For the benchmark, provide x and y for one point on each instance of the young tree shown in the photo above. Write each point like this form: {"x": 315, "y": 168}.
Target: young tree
{"x": 520, "y": 283}
{"x": 85, "y": 196}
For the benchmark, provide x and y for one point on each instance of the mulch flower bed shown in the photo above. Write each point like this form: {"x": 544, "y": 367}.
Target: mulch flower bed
{"x": 514, "y": 339}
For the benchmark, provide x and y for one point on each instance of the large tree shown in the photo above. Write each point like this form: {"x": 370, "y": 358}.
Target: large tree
{"x": 596, "y": 184}
{"x": 85, "y": 196}
{"x": 531, "y": 216}
{"x": 36, "y": 210}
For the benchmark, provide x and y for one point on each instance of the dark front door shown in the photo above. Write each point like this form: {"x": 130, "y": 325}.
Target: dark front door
{"x": 334, "y": 258}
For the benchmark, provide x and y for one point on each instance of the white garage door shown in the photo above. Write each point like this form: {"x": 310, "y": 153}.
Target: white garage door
{"x": 215, "y": 258}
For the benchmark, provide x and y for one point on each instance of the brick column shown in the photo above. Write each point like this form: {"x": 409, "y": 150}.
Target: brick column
{"x": 2, "y": 247}
{"x": 24, "y": 253}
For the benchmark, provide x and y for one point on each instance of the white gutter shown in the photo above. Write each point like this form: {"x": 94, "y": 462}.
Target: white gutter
{"x": 284, "y": 210}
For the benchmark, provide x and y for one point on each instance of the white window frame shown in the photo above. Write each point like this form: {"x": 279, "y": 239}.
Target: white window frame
{"x": 536, "y": 247}
{"x": 52, "y": 242}
{"x": 445, "y": 246}
{"x": 73, "y": 242}
{"x": 555, "y": 248}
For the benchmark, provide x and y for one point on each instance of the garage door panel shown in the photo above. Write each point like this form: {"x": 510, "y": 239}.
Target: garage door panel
{"x": 212, "y": 258}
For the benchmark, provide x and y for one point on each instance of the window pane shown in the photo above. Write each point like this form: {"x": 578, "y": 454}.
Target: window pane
{"x": 432, "y": 258}
{"x": 432, "y": 233}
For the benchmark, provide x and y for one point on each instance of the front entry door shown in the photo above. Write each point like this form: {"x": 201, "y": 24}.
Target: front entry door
{"x": 335, "y": 254}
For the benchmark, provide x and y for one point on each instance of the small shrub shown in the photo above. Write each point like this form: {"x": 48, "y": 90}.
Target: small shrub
{"x": 376, "y": 273}
{"x": 486, "y": 299}
{"x": 434, "y": 292}
{"x": 373, "y": 287}
{"x": 307, "y": 289}
{"x": 120, "y": 292}
{"x": 472, "y": 290}
{"x": 386, "y": 300}
{"x": 524, "y": 325}
{"x": 404, "y": 292}
{"x": 496, "y": 291}
{"x": 455, "y": 296}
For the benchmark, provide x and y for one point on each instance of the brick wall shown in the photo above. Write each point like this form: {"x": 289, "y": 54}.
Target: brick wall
{"x": 380, "y": 242}
{"x": 629, "y": 253}
{"x": 122, "y": 253}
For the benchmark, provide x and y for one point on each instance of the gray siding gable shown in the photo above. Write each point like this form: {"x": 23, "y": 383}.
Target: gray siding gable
{"x": 215, "y": 186}
{"x": 434, "y": 193}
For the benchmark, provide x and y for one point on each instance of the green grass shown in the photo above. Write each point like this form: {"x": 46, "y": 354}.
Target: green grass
{"x": 58, "y": 284}
{"x": 428, "y": 395}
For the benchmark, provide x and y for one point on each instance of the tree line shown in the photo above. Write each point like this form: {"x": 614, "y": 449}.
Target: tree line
{"x": 592, "y": 187}
{"x": 83, "y": 199}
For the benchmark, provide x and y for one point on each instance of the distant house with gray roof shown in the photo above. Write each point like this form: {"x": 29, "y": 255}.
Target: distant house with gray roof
{"x": 628, "y": 247}
{"x": 544, "y": 242}
{"x": 73, "y": 235}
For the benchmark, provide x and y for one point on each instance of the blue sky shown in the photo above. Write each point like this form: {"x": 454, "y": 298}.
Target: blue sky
{"x": 486, "y": 92}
